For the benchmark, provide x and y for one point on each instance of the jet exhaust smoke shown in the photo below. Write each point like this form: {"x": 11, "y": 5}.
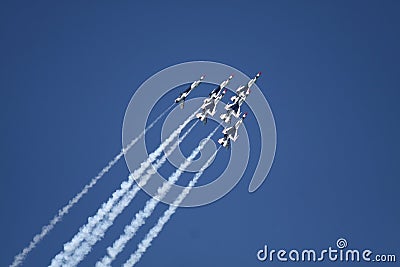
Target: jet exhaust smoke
{"x": 100, "y": 229}
{"x": 19, "y": 258}
{"x": 84, "y": 232}
{"x": 140, "y": 217}
{"x": 153, "y": 233}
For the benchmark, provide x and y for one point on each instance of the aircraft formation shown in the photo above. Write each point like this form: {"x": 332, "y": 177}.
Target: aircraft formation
{"x": 232, "y": 109}
{"x": 93, "y": 231}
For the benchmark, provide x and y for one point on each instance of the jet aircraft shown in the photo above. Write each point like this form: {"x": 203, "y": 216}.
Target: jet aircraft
{"x": 231, "y": 133}
{"x": 182, "y": 97}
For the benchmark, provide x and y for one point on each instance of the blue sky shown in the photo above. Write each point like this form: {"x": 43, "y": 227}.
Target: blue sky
{"x": 330, "y": 74}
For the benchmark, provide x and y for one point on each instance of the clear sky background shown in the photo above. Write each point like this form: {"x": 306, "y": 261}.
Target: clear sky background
{"x": 331, "y": 76}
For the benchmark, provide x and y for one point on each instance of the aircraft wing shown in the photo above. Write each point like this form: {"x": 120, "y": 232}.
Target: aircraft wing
{"x": 227, "y": 130}
{"x": 234, "y": 137}
{"x": 215, "y": 91}
{"x": 240, "y": 89}
{"x": 209, "y": 105}
{"x": 187, "y": 90}
{"x": 235, "y": 108}
{"x": 236, "y": 111}
{"x": 231, "y": 105}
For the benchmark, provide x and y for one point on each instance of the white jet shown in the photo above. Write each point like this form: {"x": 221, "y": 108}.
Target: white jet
{"x": 231, "y": 133}
{"x": 209, "y": 107}
{"x": 210, "y": 103}
{"x": 182, "y": 97}
{"x": 233, "y": 109}
{"x": 216, "y": 92}
{"x": 244, "y": 90}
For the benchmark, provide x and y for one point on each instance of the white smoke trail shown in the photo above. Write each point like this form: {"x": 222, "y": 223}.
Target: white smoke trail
{"x": 85, "y": 231}
{"x": 140, "y": 217}
{"x": 98, "y": 232}
{"x": 18, "y": 259}
{"x": 153, "y": 233}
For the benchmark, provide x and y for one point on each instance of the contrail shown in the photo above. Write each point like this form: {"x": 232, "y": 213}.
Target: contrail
{"x": 84, "y": 231}
{"x": 140, "y": 217}
{"x": 19, "y": 258}
{"x": 100, "y": 229}
{"x": 153, "y": 233}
